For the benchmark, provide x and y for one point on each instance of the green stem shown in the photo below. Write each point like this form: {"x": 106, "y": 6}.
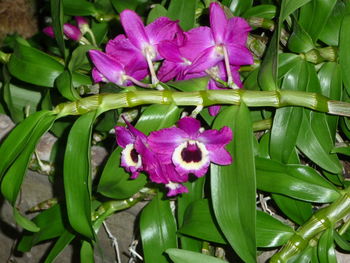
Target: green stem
{"x": 323, "y": 219}
{"x": 277, "y": 99}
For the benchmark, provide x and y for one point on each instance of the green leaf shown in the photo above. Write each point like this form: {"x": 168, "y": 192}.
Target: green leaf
{"x": 51, "y": 225}
{"x": 342, "y": 150}
{"x": 115, "y": 182}
{"x": 24, "y": 222}
{"x": 330, "y": 79}
{"x": 65, "y": 86}
{"x": 156, "y": 12}
{"x": 264, "y": 11}
{"x": 195, "y": 84}
{"x": 233, "y": 197}
{"x": 325, "y": 248}
{"x": 77, "y": 175}
{"x": 300, "y": 41}
{"x": 79, "y": 57}
{"x": 121, "y": 5}
{"x": 57, "y": 23}
{"x": 156, "y": 117}
{"x": 195, "y": 193}
{"x": 65, "y": 238}
{"x": 271, "y": 232}
{"x": 184, "y": 11}
{"x": 286, "y": 123}
{"x": 341, "y": 241}
{"x": 239, "y": 7}
{"x": 184, "y": 256}
{"x": 199, "y": 222}
{"x": 344, "y": 51}
{"x": 314, "y": 15}
{"x": 87, "y": 252}
{"x": 16, "y": 141}
{"x": 289, "y": 6}
{"x": 158, "y": 230}
{"x": 330, "y": 32}
{"x": 297, "y": 181}
{"x": 296, "y": 210}
{"x": 34, "y": 66}
{"x": 79, "y": 8}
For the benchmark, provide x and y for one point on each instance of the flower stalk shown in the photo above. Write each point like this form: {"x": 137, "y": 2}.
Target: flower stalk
{"x": 323, "y": 219}
{"x": 277, "y": 99}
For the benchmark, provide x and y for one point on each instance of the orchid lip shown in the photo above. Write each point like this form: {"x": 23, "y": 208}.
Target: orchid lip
{"x": 191, "y": 155}
{"x": 131, "y": 157}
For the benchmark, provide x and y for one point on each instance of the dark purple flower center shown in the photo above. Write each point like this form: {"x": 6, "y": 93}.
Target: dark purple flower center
{"x": 134, "y": 155}
{"x": 191, "y": 153}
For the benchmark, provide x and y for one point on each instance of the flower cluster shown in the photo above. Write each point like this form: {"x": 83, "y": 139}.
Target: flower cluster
{"x": 73, "y": 32}
{"x": 170, "y": 155}
{"x": 217, "y": 51}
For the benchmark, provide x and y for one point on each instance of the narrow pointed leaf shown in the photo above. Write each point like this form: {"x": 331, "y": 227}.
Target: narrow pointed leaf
{"x": 325, "y": 248}
{"x": 233, "y": 187}
{"x": 184, "y": 256}
{"x": 344, "y": 51}
{"x": 61, "y": 243}
{"x": 57, "y": 23}
{"x": 158, "y": 230}
{"x": 77, "y": 175}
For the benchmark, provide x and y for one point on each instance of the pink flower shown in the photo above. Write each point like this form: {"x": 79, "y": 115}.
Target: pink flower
{"x": 190, "y": 148}
{"x": 69, "y": 30}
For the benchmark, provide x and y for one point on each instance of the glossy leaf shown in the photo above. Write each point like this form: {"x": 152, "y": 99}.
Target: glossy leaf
{"x": 121, "y": 5}
{"x": 239, "y": 7}
{"x": 57, "y": 23}
{"x": 158, "y": 230}
{"x": 65, "y": 86}
{"x": 300, "y": 41}
{"x": 184, "y": 256}
{"x": 298, "y": 181}
{"x": 156, "y": 12}
{"x": 286, "y": 122}
{"x": 51, "y": 225}
{"x": 344, "y": 51}
{"x": 79, "y": 57}
{"x": 296, "y": 210}
{"x": 289, "y": 6}
{"x": 264, "y": 11}
{"x": 271, "y": 232}
{"x": 325, "y": 248}
{"x": 233, "y": 186}
{"x": 87, "y": 252}
{"x": 314, "y": 15}
{"x": 156, "y": 117}
{"x": 342, "y": 150}
{"x": 199, "y": 222}
{"x": 184, "y": 11}
{"x": 330, "y": 32}
{"x": 62, "y": 242}
{"x": 77, "y": 175}
{"x": 341, "y": 241}
{"x": 195, "y": 193}
{"x": 195, "y": 84}
{"x": 115, "y": 182}
{"x": 79, "y": 8}
{"x": 18, "y": 139}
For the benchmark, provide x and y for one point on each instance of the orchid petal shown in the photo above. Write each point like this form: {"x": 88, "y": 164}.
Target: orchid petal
{"x": 196, "y": 41}
{"x": 123, "y": 136}
{"x": 207, "y": 59}
{"x": 98, "y": 76}
{"x": 122, "y": 49}
{"x": 213, "y": 110}
{"x": 134, "y": 28}
{"x": 165, "y": 140}
{"x": 237, "y": 31}
{"x": 220, "y": 156}
{"x": 175, "y": 189}
{"x": 218, "y": 22}
{"x": 72, "y": 32}
{"x": 168, "y": 71}
{"x": 214, "y": 139}
{"x": 49, "y": 31}
{"x": 190, "y": 125}
{"x": 239, "y": 55}
{"x": 170, "y": 51}
{"x": 161, "y": 29}
{"x": 108, "y": 66}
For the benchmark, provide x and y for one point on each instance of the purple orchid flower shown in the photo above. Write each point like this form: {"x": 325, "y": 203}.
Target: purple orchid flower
{"x": 82, "y": 23}
{"x": 225, "y": 40}
{"x": 108, "y": 69}
{"x": 190, "y": 148}
{"x": 137, "y": 157}
{"x": 69, "y": 30}
{"x": 142, "y": 41}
